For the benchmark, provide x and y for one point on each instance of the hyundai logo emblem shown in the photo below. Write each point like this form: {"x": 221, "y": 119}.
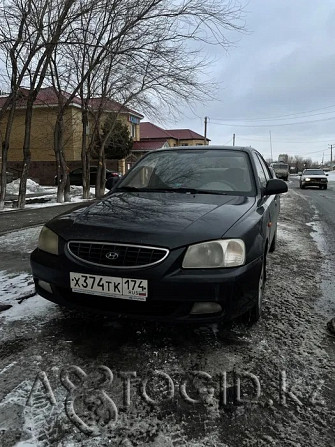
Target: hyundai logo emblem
{"x": 112, "y": 255}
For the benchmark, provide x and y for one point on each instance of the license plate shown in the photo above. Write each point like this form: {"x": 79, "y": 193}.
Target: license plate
{"x": 124, "y": 288}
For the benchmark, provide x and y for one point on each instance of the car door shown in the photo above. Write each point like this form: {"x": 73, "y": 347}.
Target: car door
{"x": 93, "y": 175}
{"x": 76, "y": 177}
{"x": 269, "y": 205}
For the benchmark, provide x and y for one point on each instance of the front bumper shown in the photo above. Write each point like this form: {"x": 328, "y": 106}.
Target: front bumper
{"x": 314, "y": 182}
{"x": 172, "y": 291}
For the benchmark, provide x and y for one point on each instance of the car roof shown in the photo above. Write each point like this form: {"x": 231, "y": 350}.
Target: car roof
{"x": 208, "y": 147}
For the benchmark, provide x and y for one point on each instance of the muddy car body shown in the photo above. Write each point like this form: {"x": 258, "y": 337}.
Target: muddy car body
{"x": 183, "y": 236}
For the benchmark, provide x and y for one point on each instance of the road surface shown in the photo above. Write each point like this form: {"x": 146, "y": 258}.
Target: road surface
{"x": 18, "y": 219}
{"x": 69, "y": 380}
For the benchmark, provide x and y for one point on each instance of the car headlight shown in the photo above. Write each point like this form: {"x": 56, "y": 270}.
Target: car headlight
{"x": 307, "y": 179}
{"x": 215, "y": 254}
{"x": 48, "y": 241}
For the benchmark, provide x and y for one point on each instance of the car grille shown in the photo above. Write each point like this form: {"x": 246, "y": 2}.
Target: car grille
{"x": 116, "y": 255}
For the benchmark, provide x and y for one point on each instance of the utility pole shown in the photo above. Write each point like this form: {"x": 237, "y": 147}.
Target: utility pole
{"x": 205, "y": 134}
{"x": 331, "y": 156}
{"x": 271, "y": 145}
{"x": 233, "y": 139}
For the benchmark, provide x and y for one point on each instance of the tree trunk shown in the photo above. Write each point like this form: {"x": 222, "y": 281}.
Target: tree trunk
{"x": 3, "y": 176}
{"x": 85, "y": 158}
{"x": 4, "y": 155}
{"x": 63, "y": 189}
{"x": 101, "y": 174}
{"x": 26, "y": 153}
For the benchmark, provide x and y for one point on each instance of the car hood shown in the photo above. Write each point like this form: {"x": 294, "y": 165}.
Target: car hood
{"x": 164, "y": 219}
{"x": 314, "y": 175}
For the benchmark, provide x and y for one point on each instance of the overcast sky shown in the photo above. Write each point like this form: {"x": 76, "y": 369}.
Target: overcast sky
{"x": 284, "y": 65}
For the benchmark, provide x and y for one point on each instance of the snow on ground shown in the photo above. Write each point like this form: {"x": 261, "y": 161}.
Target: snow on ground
{"x": 290, "y": 337}
{"x": 14, "y": 287}
{"x": 331, "y": 176}
{"x": 22, "y": 240}
{"x": 76, "y": 197}
{"x": 45, "y": 194}
{"x": 13, "y": 187}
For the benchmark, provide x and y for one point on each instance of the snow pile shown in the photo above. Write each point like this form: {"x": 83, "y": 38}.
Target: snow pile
{"x": 13, "y": 187}
{"x": 331, "y": 176}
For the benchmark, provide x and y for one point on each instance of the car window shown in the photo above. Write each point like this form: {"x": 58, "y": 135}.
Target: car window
{"x": 262, "y": 178}
{"x": 313, "y": 172}
{"x": 264, "y": 166}
{"x": 210, "y": 170}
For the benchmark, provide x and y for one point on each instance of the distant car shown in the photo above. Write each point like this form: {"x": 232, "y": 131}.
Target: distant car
{"x": 183, "y": 236}
{"x": 281, "y": 169}
{"x": 313, "y": 177}
{"x": 76, "y": 176}
{"x": 9, "y": 177}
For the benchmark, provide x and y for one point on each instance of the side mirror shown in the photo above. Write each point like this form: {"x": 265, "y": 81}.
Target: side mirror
{"x": 111, "y": 182}
{"x": 327, "y": 175}
{"x": 275, "y": 186}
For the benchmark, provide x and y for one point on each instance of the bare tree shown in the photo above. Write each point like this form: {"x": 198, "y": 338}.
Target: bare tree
{"x": 12, "y": 43}
{"x": 40, "y": 24}
{"x": 146, "y": 54}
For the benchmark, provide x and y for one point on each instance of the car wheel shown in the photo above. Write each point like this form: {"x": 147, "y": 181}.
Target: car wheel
{"x": 302, "y": 186}
{"x": 273, "y": 243}
{"x": 255, "y": 313}
{"x": 325, "y": 187}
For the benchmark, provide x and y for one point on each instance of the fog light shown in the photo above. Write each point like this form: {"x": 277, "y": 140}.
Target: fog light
{"x": 45, "y": 286}
{"x": 205, "y": 308}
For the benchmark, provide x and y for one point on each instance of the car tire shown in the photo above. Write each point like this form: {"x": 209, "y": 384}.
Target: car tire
{"x": 273, "y": 243}
{"x": 302, "y": 186}
{"x": 254, "y": 314}
{"x": 325, "y": 187}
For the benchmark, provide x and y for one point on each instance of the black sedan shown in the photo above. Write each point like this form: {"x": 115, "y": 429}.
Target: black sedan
{"x": 184, "y": 236}
{"x": 76, "y": 176}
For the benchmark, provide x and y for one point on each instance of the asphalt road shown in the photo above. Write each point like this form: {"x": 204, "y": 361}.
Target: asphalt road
{"x": 324, "y": 203}
{"x": 18, "y": 219}
{"x": 69, "y": 379}
{"x": 323, "y": 200}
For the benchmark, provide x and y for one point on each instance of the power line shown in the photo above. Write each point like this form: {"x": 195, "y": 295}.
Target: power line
{"x": 285, "y": 141}
{"x": 272, "y": 125}
{"x": 281, "y": 116}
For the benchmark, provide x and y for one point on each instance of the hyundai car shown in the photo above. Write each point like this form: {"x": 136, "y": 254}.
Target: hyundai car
{"x": 184, "y": 236}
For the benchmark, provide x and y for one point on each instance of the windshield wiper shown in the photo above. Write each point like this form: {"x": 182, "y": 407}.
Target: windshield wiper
{"x": 128, "y": 188}
{"x": 180, "y": 190}
{"x": 191, "y": 190}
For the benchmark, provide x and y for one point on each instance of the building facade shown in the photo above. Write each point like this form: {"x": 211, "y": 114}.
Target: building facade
{"x": 43, "y": 165}
{"x": 153, "y": 137}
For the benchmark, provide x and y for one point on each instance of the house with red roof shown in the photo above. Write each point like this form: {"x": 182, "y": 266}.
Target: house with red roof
{"x": 45, "y": 108}
{"x": 153, "y": 137}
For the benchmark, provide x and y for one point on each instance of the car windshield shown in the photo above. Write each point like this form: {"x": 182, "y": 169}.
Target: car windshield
{"x": 313, "y": 172}
{"x": 204, "y": 171}
{"x": 279, "y": 166}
